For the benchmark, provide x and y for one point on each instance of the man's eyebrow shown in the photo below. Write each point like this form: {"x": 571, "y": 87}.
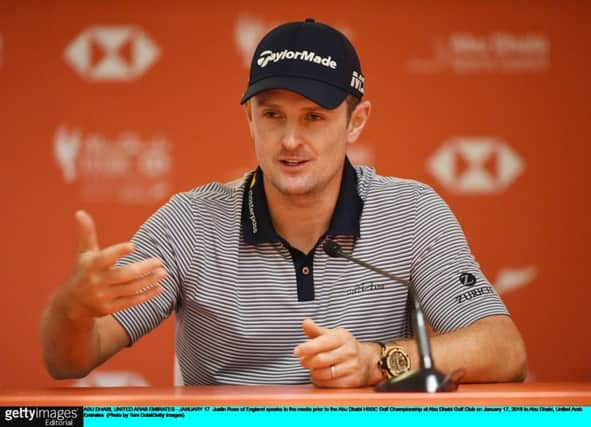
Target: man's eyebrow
{"x": 259, "y": 98}
{"x": 265, "y": 102}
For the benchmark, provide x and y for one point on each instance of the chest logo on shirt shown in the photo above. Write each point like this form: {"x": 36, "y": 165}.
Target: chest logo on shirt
{"x": 364, "y": 287}
{"x": 467, "y": 279}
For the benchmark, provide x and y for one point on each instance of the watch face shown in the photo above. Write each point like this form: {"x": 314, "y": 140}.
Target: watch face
{"x": 398, "y": 361}
{"x": 394, "y": 361}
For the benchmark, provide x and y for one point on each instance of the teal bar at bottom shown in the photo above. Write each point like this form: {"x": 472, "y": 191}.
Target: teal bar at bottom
{"x": 343, "y": 416}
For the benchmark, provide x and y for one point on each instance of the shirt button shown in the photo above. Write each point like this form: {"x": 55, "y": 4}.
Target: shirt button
{"x": 305, "y": 270}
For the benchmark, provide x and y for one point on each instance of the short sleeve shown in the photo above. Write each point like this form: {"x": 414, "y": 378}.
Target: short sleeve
{"x": 451, "y": 287}
{"x": 166, "y": 235}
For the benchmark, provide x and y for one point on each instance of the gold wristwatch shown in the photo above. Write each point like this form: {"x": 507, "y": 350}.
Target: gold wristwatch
{"x": 394, "y": 361}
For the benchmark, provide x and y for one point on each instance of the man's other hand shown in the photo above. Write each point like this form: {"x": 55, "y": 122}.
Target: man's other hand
{"x": 336, "y": 358}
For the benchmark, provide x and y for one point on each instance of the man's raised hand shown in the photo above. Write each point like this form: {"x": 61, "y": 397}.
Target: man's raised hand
{"x": 96, "y": 287}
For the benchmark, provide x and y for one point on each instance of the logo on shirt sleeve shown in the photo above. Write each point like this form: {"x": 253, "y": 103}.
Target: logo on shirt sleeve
{"x": 467, "y": 279}
{"x": 474, "y": 293}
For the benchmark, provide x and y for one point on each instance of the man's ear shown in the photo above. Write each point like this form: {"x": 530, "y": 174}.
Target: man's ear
{"x": 359, "y": 117}
{"x": 248, "y": 110}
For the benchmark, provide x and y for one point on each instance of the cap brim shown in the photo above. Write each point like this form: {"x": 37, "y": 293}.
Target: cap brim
{"x": 323, "y": 94}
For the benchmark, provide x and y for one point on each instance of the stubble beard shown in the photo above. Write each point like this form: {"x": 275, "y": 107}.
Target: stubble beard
{"x": 296, "y": 186}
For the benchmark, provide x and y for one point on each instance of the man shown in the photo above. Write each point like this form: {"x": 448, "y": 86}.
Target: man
{"x": 256, "y": 298}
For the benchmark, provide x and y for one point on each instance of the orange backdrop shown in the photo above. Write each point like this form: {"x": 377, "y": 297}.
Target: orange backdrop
{"x": 112, "y": 106}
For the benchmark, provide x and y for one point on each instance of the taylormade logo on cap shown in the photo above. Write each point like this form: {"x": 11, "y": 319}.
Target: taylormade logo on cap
{"x": 302, "y": 55}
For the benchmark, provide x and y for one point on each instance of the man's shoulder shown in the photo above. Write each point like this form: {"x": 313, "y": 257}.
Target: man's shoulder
{"x": 214, "y": 198}
{"x": 371, "y": 183}
{"x": 214, "y": 191}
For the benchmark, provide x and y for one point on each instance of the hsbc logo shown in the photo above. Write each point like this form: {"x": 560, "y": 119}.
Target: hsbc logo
{"x": 112, "y": 53}
{"x": 475, "y": 165}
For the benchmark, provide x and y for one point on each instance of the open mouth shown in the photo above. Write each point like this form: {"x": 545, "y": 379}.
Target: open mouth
{"x": 293, "y": 163}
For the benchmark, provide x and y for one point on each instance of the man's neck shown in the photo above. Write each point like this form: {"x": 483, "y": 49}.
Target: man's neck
{"x": 301, "y": 219}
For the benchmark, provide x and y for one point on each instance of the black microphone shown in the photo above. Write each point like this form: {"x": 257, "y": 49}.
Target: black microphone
{"x": 426, "y": 378}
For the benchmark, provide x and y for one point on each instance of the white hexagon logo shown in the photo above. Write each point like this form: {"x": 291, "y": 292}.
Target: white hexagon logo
{"x": 475, "y": 165}
{"x": 111, "y": 53}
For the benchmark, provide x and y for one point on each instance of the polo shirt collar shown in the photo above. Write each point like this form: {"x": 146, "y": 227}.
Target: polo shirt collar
{"x": 256, "y": 221}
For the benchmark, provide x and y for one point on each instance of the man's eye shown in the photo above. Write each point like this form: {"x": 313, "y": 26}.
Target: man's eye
{"x": 271, "y": 114}
{"x": 314, "y": 117}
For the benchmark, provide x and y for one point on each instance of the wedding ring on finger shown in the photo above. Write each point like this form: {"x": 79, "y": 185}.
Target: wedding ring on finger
{"x": 333, "y": 372}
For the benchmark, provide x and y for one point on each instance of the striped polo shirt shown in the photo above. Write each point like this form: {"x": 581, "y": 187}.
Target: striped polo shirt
{"x": 240, "y": 292}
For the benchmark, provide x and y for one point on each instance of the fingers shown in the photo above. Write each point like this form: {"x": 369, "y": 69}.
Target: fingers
{"x": 312, "y": 330}
{"x": 108, "y": 290}
{"x": 349, "y": 371}
{"x": 335, "y": 372}
{"x": 100, "y": 298}
{"x": 88, "y": 240}
{"x": 96, "y": 288}
{"x": 139, "y": 298}
{"x": 132, "y": 271}
{"x": 326, "y": 347}
{"x": 105, "y": 258}
{"x": 88, "y": 246}
{"x": 140, "y": 285}
{"x": 333, "y": 356}
{"x": 322, "y": 340}
{"x": 323, "y": 360}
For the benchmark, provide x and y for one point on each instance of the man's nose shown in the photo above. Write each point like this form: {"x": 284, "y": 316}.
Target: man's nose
{"x": 292, "y": 135}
